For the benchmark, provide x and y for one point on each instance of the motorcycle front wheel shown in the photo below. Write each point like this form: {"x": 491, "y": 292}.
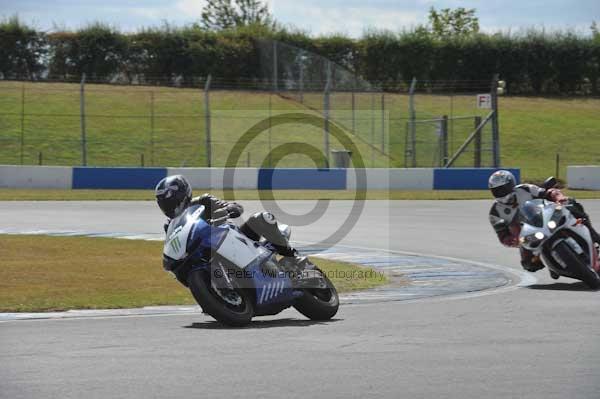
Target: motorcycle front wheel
{"x": 587, "y": 275}
{"x": 319, "y": 303}
{"x": 231, "y": 307}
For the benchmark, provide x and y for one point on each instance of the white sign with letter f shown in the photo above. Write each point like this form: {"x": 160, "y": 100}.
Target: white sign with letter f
{"x": 484, "y": 101}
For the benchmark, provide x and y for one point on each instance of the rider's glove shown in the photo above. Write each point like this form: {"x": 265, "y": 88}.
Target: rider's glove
{"x": 234, "y": 210}
{"x": 511, "y": 241}
{"x": 220, "y": 213}
{"x": 207, "y": 200}
{"x": 555, "y": 195}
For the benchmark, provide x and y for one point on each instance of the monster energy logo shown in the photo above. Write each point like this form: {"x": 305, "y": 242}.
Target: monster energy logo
{"x": 175, "y": 244}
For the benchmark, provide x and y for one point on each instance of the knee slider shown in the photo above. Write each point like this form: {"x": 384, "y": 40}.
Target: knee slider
{"x": 268, "y": 217}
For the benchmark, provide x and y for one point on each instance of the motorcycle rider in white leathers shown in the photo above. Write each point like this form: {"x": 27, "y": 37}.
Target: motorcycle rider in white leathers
{"x": 504, "y": 215}
{"x": 174, "y": 195}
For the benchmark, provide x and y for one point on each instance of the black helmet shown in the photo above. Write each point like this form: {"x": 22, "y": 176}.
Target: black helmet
{"x": 173, "y": 195}
{"x": 502, "y": 184}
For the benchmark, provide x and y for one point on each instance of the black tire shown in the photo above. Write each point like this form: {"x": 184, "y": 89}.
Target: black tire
{"x": 211, "y": 303}
{"x": 587, "y": 275}
{"x": 319, "y": 304}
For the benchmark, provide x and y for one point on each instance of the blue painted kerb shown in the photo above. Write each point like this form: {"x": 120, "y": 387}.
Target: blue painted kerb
{"x": 117, "y": 178}
{"x": 465, "y": 178}
{"x": 302, "y": 179}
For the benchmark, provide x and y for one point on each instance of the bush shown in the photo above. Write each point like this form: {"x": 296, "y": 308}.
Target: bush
{"x": 22, "y": 50}
{"x": 534, "y": 62}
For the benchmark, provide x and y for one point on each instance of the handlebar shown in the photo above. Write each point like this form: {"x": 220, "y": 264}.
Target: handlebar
{"x": 220, "y": 219}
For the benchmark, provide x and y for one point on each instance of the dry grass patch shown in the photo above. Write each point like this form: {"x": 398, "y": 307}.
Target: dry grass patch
{"x": 42, "y": 273}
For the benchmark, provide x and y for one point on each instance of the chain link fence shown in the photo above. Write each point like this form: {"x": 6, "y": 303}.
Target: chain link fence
{"x": 98, "y": 124}
{"x": 452, "y": 124}
{"x": 197, "y": 122}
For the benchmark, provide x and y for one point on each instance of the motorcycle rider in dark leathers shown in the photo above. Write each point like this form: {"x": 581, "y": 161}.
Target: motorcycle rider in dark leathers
{"x": 174, "y": 196}
{"x": 504, "y": 215}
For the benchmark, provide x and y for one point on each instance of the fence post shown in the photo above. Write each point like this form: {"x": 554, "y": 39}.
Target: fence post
{"x": 326, "y": 106}
{"x": 383, "y": 122}
{"x": 22, "y": 121}
{"x": 477, "y": 153}
{"x": 412, "y": 120}
{"x": 495, "y": 128}
{"x": 326, "y": 110}
{"x": 353, "y": 106}
{"x": 444, "y": 139}
{"x": 301, "y": 83}
{"x": 270, "y": 144}
{"x": 372, "y": 117}
{"x": 82, "y": 117}
{"x": 275, "y": 66}
{"x": 207, "y": 120}
{"x": 151, "y": 128}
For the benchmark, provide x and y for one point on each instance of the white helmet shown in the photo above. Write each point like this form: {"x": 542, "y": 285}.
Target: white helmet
{"x": 502, "y": 184}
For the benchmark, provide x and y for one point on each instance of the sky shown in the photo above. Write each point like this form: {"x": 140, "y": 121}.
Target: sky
{"x": 349, "y": 17}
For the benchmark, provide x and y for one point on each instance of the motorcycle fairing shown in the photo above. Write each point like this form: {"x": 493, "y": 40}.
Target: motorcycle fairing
{"x": 239, "y": 249}
{"x": 179, "y": 229}
{"x": 191, "y": 240}
{"x": 274, "y": 291}
{"x": 569, "y": 230}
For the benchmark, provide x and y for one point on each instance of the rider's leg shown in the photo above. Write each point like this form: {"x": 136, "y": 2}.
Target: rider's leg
{"x": 264, "y": 224}
{"x": 530, "y": 262}
{"x": 577, "y": 210}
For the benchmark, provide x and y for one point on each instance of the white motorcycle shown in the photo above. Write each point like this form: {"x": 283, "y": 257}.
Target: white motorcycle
{"x": 234, "y": 278}
{"x": 563, "y": 242}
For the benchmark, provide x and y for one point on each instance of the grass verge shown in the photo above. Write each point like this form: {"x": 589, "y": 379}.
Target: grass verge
{"x": 42, "y": 273}
{"x": 8, "y": 194}
{"x": 167, "y": 126}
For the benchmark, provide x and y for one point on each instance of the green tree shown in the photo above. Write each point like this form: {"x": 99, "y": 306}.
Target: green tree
{"x": 448, "y": 23}
{"x": 595, "y": 31}
{"x": 22, "y": 50}
{"x": 97, "y": 49}
{"x": 226, "y": 14}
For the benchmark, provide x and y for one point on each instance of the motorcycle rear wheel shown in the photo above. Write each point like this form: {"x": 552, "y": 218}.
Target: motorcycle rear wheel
{"x": 587, "y": 275}
{"x": 319, "y": 303}
{"x": 215, "y": 303}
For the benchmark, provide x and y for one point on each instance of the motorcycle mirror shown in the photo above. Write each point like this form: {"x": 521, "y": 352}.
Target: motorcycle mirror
{"x": 550, "y": 182}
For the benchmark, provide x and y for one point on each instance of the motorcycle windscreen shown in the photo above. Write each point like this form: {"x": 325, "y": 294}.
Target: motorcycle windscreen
{"x": 179, "y": 229}
{"x": 239, "y": 249}
{"x": 532, "y": 213}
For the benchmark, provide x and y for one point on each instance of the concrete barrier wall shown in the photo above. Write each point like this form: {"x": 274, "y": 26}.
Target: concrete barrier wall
{"x": 35, "y": 176}
{"x": 214, "y": 178}
{"x": 393, "y": 179}
{"x": 302, "y": 179}
{"x": 465, "y": 178}
{"x": 117, "y": 178}
{"x": 252, "y": 178}
{"x": 583, "y": 177}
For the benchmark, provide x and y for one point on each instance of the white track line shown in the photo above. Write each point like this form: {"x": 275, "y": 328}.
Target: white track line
{"x": 523, "y": 279}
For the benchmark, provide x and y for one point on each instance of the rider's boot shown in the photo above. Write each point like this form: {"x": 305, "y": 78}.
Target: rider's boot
{"x": 554, "y": 275}
{"x": 291, "y": 259}
{"x": 593, "y": 232}
{"x": 530, "y": 262}
{"x": 579, "y": 212}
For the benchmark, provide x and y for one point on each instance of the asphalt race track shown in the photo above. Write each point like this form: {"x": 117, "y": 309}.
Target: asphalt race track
{"x": 541, "y": 341}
